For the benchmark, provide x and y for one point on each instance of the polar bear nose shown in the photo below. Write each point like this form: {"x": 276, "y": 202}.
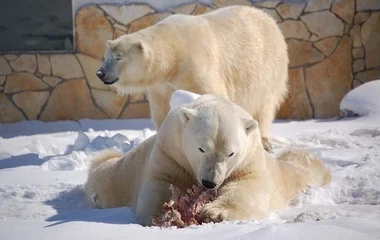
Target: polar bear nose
{"x": 208, "y": 184}
{"x": 100, "y": 74}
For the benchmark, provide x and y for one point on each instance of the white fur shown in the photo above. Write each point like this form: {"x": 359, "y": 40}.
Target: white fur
{"x": 250, "y": 182}
{"x": 236, "y": 52}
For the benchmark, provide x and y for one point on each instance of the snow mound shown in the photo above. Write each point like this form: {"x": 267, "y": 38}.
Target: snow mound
{"x": 362, "y": 101}
{"x": 180, "y": 97}
{"x": 78, "y": 155}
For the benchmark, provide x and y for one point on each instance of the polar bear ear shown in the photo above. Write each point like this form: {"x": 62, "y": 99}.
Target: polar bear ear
{"x": 185, "y": 114}
{"x": 110, "y": 44}
{"x": 140, "y": 46}
{"x": 250, "y": 125}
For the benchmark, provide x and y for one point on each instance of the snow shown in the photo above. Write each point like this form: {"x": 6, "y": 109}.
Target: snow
{"x": 43, "y": 167}
{"x": 363, "y": 100}
{"x": 180, "y": 97}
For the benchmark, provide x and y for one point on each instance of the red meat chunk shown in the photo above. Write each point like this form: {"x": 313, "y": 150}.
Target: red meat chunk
{"x": 183, "y": 210}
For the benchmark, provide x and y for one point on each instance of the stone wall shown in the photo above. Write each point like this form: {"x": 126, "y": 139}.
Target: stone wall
{"x": 333, "y": 47}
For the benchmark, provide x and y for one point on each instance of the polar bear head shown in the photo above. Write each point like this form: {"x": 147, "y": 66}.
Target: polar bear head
{"x": 216, "y": 137}
{"x": 126, "y": 62}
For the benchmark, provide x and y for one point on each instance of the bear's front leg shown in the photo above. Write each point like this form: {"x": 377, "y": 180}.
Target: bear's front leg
{"x": 239, "y": 200}
{"x": 153, "y": 194}
{"x": 159, "y": 105}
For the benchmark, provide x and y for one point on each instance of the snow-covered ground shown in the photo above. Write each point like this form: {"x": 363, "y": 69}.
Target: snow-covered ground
{"x": 43, "y": 167}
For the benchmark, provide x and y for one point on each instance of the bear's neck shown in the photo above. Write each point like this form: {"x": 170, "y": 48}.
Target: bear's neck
{"x": 171, "y": 143}
{"x": 254, "y": 159}
{"x": 171, "y": 171}
{"x": 165, "y": 62}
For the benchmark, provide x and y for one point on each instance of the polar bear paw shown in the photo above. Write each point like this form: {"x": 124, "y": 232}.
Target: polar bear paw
{"x": 214, "y": 213}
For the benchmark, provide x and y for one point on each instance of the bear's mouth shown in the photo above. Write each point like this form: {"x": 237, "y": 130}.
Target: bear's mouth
{"x": 112, "y": 82}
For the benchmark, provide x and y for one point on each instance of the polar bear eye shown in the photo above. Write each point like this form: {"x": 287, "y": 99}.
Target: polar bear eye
{"x": 231, "y": 154}
{"x": 201, "y": 150}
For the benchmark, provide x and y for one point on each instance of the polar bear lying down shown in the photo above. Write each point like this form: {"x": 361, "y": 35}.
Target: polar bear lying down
{"x": 213, "y": 143}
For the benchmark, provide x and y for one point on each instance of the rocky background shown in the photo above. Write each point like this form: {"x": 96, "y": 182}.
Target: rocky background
{"x": 334, "y": 46}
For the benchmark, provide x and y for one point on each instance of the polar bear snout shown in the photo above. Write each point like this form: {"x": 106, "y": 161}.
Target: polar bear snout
{"x": 208, "y": 184}
{"x": 101, "y": 75}
{"x": 212, "y": 177}
{"x": 105, "y": 78}
{"x": 108, "y": 71}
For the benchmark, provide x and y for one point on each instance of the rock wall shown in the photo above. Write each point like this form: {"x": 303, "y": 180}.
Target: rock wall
{"x": 333, "y": 47}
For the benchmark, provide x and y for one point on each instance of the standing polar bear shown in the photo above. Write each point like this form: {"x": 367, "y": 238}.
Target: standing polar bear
{"x": 236, "y": 52}
{"x": 210, "y": 142}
